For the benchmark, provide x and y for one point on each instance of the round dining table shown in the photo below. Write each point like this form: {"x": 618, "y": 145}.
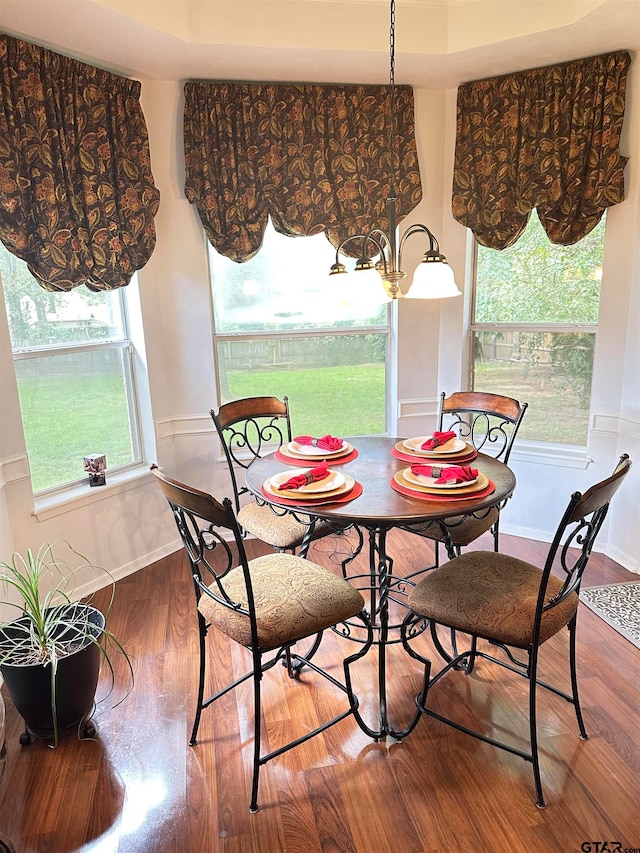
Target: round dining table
{"x": 377, "y": 508}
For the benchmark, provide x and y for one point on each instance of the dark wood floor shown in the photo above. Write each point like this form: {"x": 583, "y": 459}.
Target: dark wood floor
{"x": 138, "y": 787}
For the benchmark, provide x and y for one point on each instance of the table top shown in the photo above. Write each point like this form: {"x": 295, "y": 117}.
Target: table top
{"x": 374, "y": 468}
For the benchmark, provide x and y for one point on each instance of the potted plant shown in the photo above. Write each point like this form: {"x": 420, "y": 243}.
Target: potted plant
{"x": 52, "y": 652}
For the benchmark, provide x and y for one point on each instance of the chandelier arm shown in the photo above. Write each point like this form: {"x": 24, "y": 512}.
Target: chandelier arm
{"x": 381, "y": 240}
{"x": 420, "y": 229}
{"x": 370, "y": 237}
{"x": 433, "y": 253}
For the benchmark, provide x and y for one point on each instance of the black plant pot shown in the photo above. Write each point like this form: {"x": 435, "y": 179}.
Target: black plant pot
{"x": 76, "y": 680}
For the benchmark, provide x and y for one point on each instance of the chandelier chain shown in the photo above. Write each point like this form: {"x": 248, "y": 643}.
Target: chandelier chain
{"x": 392, "y": 46}
{"x": 392, "y": 106}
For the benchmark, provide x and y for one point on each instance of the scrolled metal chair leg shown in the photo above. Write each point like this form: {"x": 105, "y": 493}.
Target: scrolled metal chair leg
{"x": 533, "y": 729}
{"x": 574, "y": 678}
{"x": 202, "y": 631}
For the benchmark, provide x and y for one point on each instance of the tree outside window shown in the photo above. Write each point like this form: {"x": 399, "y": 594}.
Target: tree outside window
{"x": 534, "y": 327}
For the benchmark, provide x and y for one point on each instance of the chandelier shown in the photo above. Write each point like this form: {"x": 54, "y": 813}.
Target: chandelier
{"x": 380, "y": 257}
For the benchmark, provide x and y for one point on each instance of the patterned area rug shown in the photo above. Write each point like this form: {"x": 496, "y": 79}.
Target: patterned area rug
{"x": 619, "y": 605}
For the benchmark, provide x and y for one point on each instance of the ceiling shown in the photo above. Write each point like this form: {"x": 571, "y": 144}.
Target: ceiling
{"x": 439, "y": 43}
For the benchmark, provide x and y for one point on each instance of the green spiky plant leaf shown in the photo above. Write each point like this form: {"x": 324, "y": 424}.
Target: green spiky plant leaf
{"x": 50, "y": 623}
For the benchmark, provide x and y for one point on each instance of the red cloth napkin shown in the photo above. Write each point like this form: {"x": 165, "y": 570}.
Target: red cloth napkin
{"x": 438, "y": 439}
{"x": 311, "y": 476}
{"x": 327, "y": 442}
{"x": 448, "y": 474}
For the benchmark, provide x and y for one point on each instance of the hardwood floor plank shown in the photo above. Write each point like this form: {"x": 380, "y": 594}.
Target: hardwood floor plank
{"x": 138, "y": 787}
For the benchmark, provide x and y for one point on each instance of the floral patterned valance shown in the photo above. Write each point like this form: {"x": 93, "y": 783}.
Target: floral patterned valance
{"x": 312, "y": 157}
{"x": 77, "y": 197}
{"x": 546, "y": 139}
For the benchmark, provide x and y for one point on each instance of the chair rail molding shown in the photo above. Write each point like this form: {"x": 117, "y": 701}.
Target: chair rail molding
{"x": 183, "y": 426}
{"x": 622, "y": 426}
{"x": 13, "y": 469}
{"x": 416, "y": 416}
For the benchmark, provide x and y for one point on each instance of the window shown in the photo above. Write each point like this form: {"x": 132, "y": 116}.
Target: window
{"x": 534, "y": 327}
{"x": 73, "y": 362}
{"x": 283, "y": 326}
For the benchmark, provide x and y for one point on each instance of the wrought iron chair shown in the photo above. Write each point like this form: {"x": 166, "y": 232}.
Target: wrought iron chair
{"x": 266, "y": 605}
{"x": 247, "y": 429}
{"x": 490, "y": 422}
{"x": 513, "y": 605}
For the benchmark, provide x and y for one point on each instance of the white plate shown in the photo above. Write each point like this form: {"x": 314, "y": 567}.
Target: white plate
{"x": 461, "y": 492}
{"x": 454, "y": 445}
{"x": 310, "y": 450}
{"x": 332, "y": 481}
{"x": 309, "y": 497}
{"x": 421, "y": 480}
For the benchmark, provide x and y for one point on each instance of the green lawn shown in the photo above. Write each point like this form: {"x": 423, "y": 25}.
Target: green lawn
{"x": 340, "y": 400}
{"x": 555, "y": 412}
{"x": 65, "y": 420}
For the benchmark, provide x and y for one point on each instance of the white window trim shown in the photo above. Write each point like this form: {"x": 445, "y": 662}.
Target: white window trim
{"x": 549, "y": 453}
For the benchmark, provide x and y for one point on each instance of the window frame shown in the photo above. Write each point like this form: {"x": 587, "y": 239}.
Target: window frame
{"x": 133, "y": 402}
{"x": 388, "y": 329}
{"x": 474, "y": 328}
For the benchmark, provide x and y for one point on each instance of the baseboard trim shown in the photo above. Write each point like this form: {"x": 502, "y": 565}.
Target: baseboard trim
{"x": 127, "y": 569}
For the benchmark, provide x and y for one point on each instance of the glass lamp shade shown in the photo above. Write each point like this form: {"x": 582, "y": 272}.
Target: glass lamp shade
{"x": 433, "y": 280}
{"x": 368, "y": 284}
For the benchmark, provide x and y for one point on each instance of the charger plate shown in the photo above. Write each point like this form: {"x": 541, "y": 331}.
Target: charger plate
{"x": 399, "y": 484}
{"x": 283, "y": 455}
{"x": 482, "y": 481}
{"x": 321, "y": 500}
{"x": 301, "y": 495}
{"x": 466, "y": 455}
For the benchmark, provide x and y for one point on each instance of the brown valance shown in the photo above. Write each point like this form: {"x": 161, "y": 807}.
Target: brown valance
{"x": 312, "y": 157}
{"x": 77, "y": 197}
{"x": 546, "y": 139}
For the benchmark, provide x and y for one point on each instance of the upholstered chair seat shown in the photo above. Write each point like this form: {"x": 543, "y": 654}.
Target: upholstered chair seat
{"x": 464, "y": 529}
{"x": 491, "y": 596}
{"x": 293, "y": 598}
{"x": 281, "y": 531}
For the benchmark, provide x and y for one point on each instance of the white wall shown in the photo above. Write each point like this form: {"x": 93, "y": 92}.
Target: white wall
{"x": 126, "y": 524}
